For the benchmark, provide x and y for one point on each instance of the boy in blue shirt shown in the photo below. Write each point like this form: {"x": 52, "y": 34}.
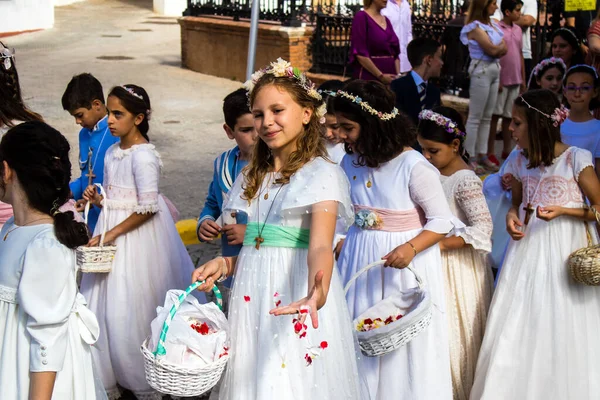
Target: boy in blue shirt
{"x": 239, "y": 126}
{"x": 84, "y": 100}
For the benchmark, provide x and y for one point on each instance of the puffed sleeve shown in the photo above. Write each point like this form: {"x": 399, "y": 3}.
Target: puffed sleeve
{"x": 46, "y": 294}
{"x": 470, "y": 199}
{"x": 581, "y": 160}
{"x": 316, "y": 183}
{"x": 146, "y": 173}
{"x": 358, "y": 36}
{"x": 426, "y": 190}
{"x": 466, "y": 29}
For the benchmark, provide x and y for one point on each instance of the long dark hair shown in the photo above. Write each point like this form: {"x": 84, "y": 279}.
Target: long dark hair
{"x": 570, "y": 36}
{"x": 432, "y": 131}
{"x": 538, "y": 105}
{"x": 39, "y": 155}
{"x": 128, "y": 95}
{"x": 12, "y": 107}
{"x": 379, "y": 141}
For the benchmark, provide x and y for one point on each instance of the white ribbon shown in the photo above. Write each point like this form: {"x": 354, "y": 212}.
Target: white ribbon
{"x": 89, "y": 330}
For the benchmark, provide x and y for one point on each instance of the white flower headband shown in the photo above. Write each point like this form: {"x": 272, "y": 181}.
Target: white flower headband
{"x": 367, "y": 107}
{"x": 543, "y": 64}
{"x": 559, "y": 115}
{"x": 7, "y": 55}
{"x": 446, "y": 123}
{"x": 139, "y": 96}
{"x": 282, "y": 68}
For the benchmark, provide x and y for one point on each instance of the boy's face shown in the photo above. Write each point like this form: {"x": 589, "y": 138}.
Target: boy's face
{"x": 514, "y": 15}
{"x": 435, "y": 63}
{"x": 89, "y": 117}
{"x": 244, "y": 133}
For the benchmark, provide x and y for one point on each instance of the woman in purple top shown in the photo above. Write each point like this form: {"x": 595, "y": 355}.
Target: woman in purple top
{"x": 374, "y": 46}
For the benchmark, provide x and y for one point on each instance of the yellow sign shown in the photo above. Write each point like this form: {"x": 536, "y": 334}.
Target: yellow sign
{"x": 580, "y": 5}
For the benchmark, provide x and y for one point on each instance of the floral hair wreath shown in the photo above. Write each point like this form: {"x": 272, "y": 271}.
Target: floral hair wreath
{"x": 446, "y": 123}
{"x": 7, "y": 55}
{"x": 367, "y": 107}
{"x": 559, "y": 115}
{"x": 543, "y": 64}
{"x": 139, "y": 96}
{"x": 283, "y": 69}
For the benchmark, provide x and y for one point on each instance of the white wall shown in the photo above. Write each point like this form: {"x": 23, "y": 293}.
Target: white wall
{"x": 173, "y": 8}
{"x": 58, "y": 3}
{"x": 26, "y": 15}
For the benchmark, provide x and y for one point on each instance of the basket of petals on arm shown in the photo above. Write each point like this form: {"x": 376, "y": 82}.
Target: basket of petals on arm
{"x": 584, "y": 264}
{"x": 96, "y": 259}
{"x": 395, "y": 320}
{"x": 178, "y": 379}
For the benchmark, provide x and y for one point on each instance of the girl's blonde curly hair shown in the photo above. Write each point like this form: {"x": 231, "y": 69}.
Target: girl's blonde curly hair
{"x": 309, "y": 143}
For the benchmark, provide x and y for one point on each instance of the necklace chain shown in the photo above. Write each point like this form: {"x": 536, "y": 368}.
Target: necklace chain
{"x": 259, "y": 239}
{"x": 20, "y": 226}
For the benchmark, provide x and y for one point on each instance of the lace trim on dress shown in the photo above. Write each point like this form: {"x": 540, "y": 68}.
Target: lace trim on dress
{"x": 146, "y": 208}
{"x": 113, "y": 394}
{"x": 8, "y": 294}
{"x": 470, "y": 199}
{"x": 119, "y": 153}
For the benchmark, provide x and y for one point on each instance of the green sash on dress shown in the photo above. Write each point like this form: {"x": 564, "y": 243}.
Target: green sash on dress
{"x": 277, "y": 236}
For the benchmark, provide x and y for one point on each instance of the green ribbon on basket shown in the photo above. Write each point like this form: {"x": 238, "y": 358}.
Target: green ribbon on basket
{"x": 276, "y": 235}
{"x": 160, "y": 348}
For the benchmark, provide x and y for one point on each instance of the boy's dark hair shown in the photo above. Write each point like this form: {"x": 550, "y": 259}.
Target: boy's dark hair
{"x": 129, "y": 96}
{"x": 39, "y": 155}
{"x": 81, "y": 91}
{"x": 543, "y": 135}
{"x": 420, "y": 48}
{"x": 584, "y": 69}
{"x": 509, "y": 5}
{"x": 379, "y": 140}
{"x": 327, "y": 88}
{"x": 432, "y": 131}
{"x": 235, "y": 104}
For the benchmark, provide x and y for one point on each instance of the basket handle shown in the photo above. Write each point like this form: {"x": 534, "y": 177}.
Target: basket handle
{"x": 160, "y": 348}
{"x": 587, "y": 227}
{"x": 86, "y": 212}
{"x": 354, "y": 277}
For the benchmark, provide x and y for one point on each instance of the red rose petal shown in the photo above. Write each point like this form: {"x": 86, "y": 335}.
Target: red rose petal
{"x": 308, "y": 359}
{"x": 277, "y": 303}
{"x": 303, "y": 334}
{"x": 368, "y": 321}
{"x": 324, "y": 345}
{"x": 247, "y": 299}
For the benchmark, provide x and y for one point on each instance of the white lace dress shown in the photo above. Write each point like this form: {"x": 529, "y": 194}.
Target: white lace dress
{"x": 267, "y": 357}
{"x": 468, "y": 277}
{"x": 149, "y": 261}
{"x": 44, "y": 323}
{"x": 420, "y": 370}
{"x": 541, "y": 339}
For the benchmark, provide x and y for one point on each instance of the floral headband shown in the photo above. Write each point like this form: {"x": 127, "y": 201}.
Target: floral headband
{"x": 543, "y": 64}
{"x": 282, "y": 68}
{"x": 7, "y": 55}
{"x": 559, "y": 115}
{"x": 139, "y": 96}
{"x": 566, "y": 30}
{"x": 591, "y": 69}
{"x": 446, "y": 123}
{"x": 366, "y": 107}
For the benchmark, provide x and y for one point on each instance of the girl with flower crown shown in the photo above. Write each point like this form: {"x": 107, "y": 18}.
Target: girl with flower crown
{"x": 548, "y": 74}
{"x": 401, "y": 215}
{"x": 284, "y": 273}
{"x": 468, "y": 276}
{"x": 541, "y": 338}
{"x": 150, "y": 257}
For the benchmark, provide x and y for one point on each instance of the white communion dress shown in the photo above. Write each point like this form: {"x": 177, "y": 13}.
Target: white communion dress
{"x": 44, "y": 322}
{"x": 407, "y": 191}
{"x": 268, "y": 359}
{"x": 149, "y": 261}
{"x": 541, "y": 338}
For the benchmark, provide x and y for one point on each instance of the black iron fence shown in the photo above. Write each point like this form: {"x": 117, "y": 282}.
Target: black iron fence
{"x": 332, "y": 21}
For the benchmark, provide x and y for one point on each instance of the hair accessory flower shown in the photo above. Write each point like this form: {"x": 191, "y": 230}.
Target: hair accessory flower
{"x": 545, "y": 63}
{"x": 366, "y": 107}
{"x": 559, "y": 115}
{"x": 7, "y": 55}
{"x": 131, "y": 92}
{"x": 282, "y": 68}
{"x": 446, "y": 123}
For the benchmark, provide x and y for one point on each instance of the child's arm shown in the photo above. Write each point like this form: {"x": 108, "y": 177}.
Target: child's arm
{"x": 132, "y": 222}
{"x": 513, "y": 223}
{"x": 213, "y": 270}
{"x": 207, "y": 229}
{"x": 41, "y": 385}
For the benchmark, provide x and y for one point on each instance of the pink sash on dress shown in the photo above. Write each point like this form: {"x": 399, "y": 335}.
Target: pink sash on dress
{"x": 392, "y": 220}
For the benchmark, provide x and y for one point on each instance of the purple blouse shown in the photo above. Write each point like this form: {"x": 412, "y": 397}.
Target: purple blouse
{"x": 368, "y": 39}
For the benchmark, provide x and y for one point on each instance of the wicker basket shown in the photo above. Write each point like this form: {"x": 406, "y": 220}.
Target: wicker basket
{"x": 169, "y": 378}
{"x": 97, "y": 259}
{"x": 584, "y": 264}
{"x": 400, "y": 332}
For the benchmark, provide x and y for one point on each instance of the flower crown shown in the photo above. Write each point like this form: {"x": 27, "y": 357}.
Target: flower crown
{"x": 7, "y": 55}
{"x": 446, "y": 123}
{"x": 367, "y": 107}
{"x": 559, "y": 115}
{"x": 543, "y": 64}
{"x": 282, "y": 68}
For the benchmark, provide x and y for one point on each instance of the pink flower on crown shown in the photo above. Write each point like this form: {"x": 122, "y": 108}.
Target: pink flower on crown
{"x": 559, "y": 115}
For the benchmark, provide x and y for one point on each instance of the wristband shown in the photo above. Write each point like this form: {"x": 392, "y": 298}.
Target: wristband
{"x": 412, "y": 246}
{"x": 223, "y": 276}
